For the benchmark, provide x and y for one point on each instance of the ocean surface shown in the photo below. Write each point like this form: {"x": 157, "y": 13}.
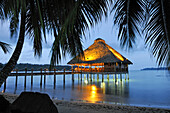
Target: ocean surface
{"x": 144, "y": 88}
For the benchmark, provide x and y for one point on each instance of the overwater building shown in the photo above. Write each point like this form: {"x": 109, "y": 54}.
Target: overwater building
{"x": 100, "y": 57}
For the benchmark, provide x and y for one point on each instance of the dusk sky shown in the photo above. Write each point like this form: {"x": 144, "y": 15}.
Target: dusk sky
{"x": 139, "y": 55}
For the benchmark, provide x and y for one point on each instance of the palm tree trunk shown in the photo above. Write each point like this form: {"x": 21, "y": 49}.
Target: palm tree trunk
{"x": 15, "y": 56}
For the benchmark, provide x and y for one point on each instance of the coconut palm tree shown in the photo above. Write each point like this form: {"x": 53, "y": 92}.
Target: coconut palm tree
{"x": 145, "y": 17}
{"x": 65, "y": 19}
{"x": 5, "y": 47}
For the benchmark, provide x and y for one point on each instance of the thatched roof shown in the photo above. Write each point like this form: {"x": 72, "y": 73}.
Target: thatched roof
{"x": 99, "y": 52}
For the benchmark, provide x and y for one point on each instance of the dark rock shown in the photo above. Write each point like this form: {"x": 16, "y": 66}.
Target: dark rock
{"x": 29, "y": 102}
{"x": 4, "y": 105}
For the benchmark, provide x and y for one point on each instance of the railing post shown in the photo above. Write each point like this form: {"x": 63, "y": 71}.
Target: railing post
{"x": 25, "y": 80}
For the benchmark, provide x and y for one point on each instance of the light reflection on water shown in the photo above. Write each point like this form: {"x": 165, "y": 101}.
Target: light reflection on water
{"x": 145, "y": 88}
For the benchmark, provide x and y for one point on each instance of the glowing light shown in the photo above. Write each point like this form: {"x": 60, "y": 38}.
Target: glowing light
{"x": 117, "y": 83}
{"x": 119, "y": 56}
{"x": 102, "y": 85}
{"x": 86, "y": 82}
{"x": 2, "y": 91}
{"x": 93, "y": 88}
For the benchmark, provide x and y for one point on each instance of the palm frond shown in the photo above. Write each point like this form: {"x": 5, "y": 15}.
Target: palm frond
{"x": 76, "y": 17}
{"x": 158, "y": 29}
{"x": 128, "y": 17}
{"x": 5, "y": 47}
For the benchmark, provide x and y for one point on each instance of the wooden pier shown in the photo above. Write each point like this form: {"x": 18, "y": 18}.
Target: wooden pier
{"x": 54, "y": 73}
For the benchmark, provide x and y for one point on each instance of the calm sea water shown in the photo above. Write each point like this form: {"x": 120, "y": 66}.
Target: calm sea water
{"x": 144, "y": 88}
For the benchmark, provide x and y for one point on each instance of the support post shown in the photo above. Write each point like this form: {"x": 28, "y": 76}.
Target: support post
{"x": 64, "y": 76}
{"x": 102, "y": 77}
{"x": 25, "y": 79}
{"x": 107, "y": 76}
{"x": 120, "y": 77}
{"x": 72, "y": 75}
{"x": 54, "y": 78}
{"x": 16, "y": 81}
{"x": 115, "y": 77}
{"x": 32, "y": 77}
{"x": 128, "y": 76}
{"x": 81, "y": 73}
{"x": 84, "y": 76}
{"x": 44, "y": 77}
{"x": 87, "y": 77}
{"x": 97, "y": 76}
{"x": 90, "y": 77}
{"x": 41, "y": 78}
{"x": 93, "y": 76}
{"x": 78, "y": 77}
{"x": 125, "y": 76}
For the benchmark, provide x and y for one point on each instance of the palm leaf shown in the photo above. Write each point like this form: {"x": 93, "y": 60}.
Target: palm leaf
{"x": 158, "y": 29}
{"x": 128, "y": 17}
{"x": 79, "y": 15}
{"x": 5, "y": 47}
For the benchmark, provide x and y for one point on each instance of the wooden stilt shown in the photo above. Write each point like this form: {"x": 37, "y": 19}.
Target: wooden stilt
{"x": 81, "y": 73}
{"x": 107, "y": 76}
{"x": 32, "y": 77}
{"x": 116, "y": 76}
{"x": 97, "y": 76}
{"x": 120, "y": 77}
{"x": 25, "y": 79}
{"x": 102, "y": 77}
{"x": 128, "y": 76}
{"x": 87, "y": 77}
{"x": 81, "y": 76}
{"x": 64, "y": 76}
{"x": 72, "y": 76}
{"x": 16, "y": 81}
{"x": 113, "y": 76}
{"x": 78, "y": 77}
{"x": 54, "y": 78}
{"x": 93, "y": 76}
{"x": 44, "y": 77}
{"x": 41, "y": 78}
{"x": 84, "y": 76}
{"x": 90, "y": 77}
{"x": 125, "y": 76}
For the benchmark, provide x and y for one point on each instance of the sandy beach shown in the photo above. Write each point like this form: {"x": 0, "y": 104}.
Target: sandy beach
{"x": 82, "y": 107}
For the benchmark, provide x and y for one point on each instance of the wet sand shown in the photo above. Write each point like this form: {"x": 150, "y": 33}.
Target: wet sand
{"x": 81, "y": 107}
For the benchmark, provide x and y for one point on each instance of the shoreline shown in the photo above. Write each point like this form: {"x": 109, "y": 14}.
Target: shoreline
{"x": 85, "y": 107}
